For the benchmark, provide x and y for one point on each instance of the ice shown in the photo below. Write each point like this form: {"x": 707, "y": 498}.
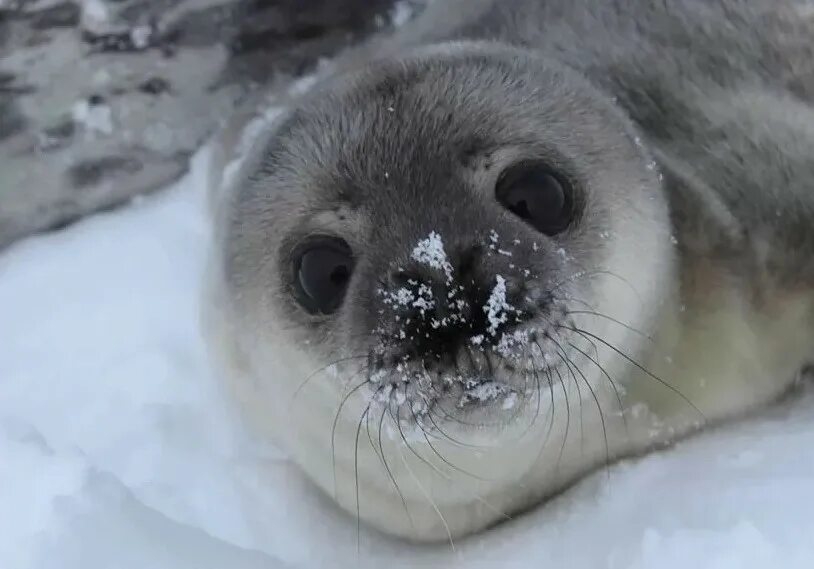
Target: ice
{"x": 118, "y": 449}
{"x": 97, "y": 118}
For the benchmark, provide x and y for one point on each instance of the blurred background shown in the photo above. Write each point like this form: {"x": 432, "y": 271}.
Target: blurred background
{"x": 103, "y": 100}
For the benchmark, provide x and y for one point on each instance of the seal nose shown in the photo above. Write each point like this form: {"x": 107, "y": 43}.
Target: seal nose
{"x": 433, "y": 310}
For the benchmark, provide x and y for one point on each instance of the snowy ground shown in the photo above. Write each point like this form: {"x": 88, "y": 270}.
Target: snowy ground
{"x": 117, "y": 450}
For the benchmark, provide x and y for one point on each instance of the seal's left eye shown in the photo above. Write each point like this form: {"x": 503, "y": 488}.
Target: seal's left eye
{"x": 538, "y": 196}
{"x": 322, "y": 270}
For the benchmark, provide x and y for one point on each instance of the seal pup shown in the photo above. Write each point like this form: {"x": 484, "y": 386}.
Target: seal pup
{"x": 518, "y": 241}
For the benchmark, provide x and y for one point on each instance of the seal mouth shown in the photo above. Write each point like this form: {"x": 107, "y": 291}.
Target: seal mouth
{"x": 488, "y": 392}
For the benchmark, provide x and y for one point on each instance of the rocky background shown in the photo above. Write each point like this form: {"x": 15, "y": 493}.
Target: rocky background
{"x": 102, "y": 100}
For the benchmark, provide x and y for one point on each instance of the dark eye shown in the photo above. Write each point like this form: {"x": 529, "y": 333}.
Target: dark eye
{"x": 536, "y": 195}
{"x": 322, "y": 270}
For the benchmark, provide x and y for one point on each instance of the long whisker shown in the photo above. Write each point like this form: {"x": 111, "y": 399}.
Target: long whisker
{"x": 567, "y": 418}
{"x": 610, "y": 379}
{"x": 550, "y": 427}
{"x": 579, "y": 391}
{"x": 356, "y": 477}
{"x": 449, "y": 437}
{"x": 551, "y": 405}
{"x": 442, "y": 457}
{"x": 333, "y": 428}
{"x": 567, "y": 410}
{"x": 641, "y": 368}
{"x": 387, "y": 468}
{"x": 397, "y": 421}
{"x": 611, "y": 319}
{"x": 598, "y": 407}
{"x": 323, "y": 368}
{"x": 430, "y": 500}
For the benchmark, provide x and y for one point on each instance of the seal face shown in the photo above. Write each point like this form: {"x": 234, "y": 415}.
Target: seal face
{"x": 452, "y": 281}
{"x": 416, "y": 272}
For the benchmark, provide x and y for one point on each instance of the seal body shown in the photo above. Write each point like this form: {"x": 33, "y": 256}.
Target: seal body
{"x": 517, "y": 241}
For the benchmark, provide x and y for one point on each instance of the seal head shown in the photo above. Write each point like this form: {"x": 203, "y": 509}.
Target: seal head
{"x": 420, "y": 263}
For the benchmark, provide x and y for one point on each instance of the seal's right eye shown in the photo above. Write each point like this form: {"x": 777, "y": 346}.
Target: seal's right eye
{"x": 322, "y": 270}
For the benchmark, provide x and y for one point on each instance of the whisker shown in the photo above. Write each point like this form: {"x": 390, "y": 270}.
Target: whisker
{"x": 397, "y": 420}
{"x": 611, "y": 319}
{"x": 387, "y": 467}
{"x": 567, "y": 410}
{"x": 455, "y": 467}
{"x": 333, "y": 428}
{"x": 442, "y": 457}
{"x": 323, "y": 368}
{"x": 447, "y": 435}
{"x": 567, "y": 419}
{"x": 579, "y": 392}
{"x": 430, "y": 500}
{"x": 599, "y": 408}
{"x": 610, "y": 379}
{"x": 356, "y": 478}
{"x": 641, "y": 368}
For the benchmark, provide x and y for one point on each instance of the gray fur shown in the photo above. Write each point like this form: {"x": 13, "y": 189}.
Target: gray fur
{"x": 722, "y": 91}
{"x": 686, "y": 122}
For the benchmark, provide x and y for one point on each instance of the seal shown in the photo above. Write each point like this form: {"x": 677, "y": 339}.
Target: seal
{"x": 518, "y": 241}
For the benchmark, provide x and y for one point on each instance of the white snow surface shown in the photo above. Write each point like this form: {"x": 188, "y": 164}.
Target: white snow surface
{"x": 117, "y": 448}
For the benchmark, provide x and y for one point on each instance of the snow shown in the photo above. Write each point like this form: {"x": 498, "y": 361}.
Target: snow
{"x": 430, "y": 252}
{"x": 496, "y": 306}
{"x": 97, "y": 117}
{"x": 95, "y": 15}
{"x": 117, "y": 448}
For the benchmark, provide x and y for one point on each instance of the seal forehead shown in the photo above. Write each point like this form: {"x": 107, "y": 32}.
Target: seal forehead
{"x": 411, "y": 127}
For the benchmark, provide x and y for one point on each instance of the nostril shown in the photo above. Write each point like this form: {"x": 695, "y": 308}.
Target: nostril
{"x": 404, "y": 278}
{"x": 467, "y": 263}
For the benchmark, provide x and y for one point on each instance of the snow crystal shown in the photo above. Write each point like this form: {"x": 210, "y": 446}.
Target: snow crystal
{"x": 303, "y": 84}
{"x": 497, "y": 306}
{"x": 430, "y": 252}
{"x": 483, "y": 391}
{"x": 96, "y": 118}
{"x": 510, "y": 401}
{"x": 140, "y": 36}
{"x": 403, "y": 297}
{"x": 95, "y": 15}
{"x": 509, "y": 343}
{"x": 401, "y": 13}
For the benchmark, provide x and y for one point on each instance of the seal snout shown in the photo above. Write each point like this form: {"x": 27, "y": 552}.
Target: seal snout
{"x": 457, "y": 324}
{"x": 438, "y": 302}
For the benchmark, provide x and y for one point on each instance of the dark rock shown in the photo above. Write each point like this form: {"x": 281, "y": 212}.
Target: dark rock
{"x": 96, "y": 99}
{"x": 11, "y": 121}
{"x": 64, "y": 15}
{"x": 128, "y": 41}
{"x": 91, "y": 172}
{"x": 57, "y": 136}
{"x": 155, "y": 86}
